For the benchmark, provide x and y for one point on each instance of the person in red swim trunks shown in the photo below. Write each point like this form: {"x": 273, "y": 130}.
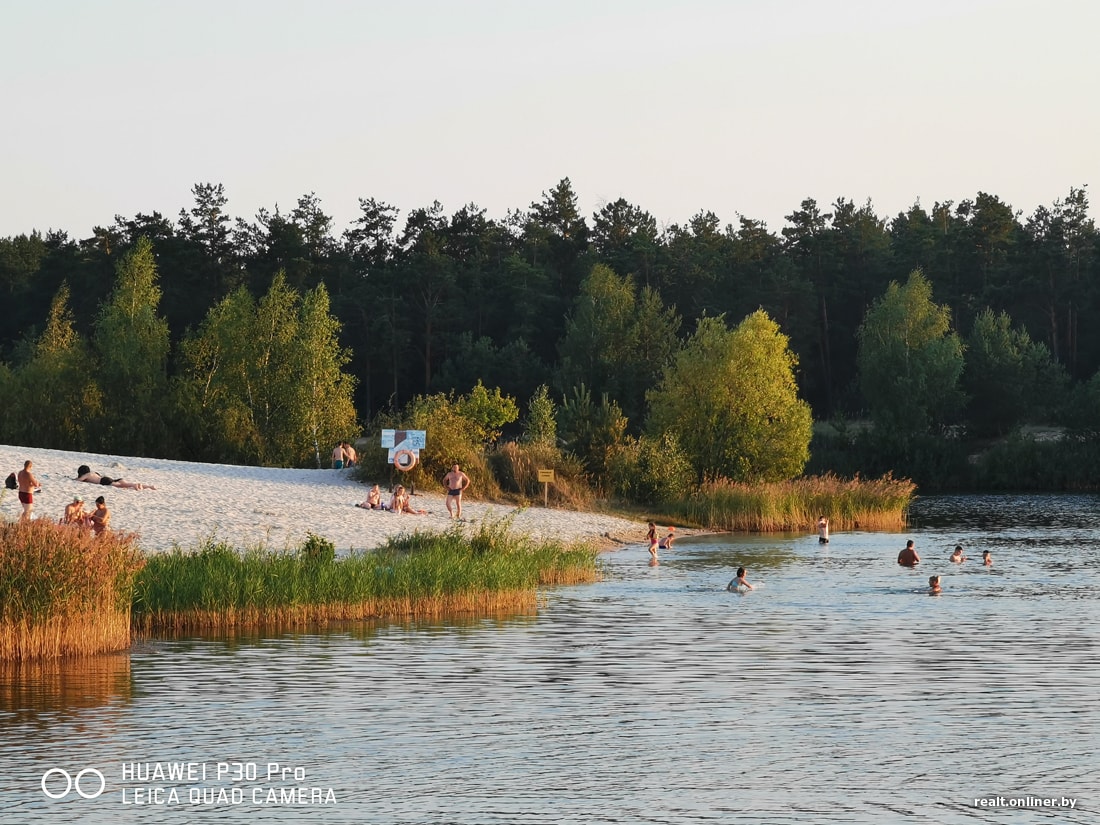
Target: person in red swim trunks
{"x": 28, "y": 486}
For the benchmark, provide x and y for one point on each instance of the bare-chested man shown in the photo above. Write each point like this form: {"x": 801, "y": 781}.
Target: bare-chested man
{"x": 908, "y": 557}
{"x": 28, "y": 486}
{"x": 101, "y": 517}
{"x": 455, "y": 481}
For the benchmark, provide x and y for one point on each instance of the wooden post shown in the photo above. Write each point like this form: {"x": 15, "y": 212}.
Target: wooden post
{"x": 547, "y": 478}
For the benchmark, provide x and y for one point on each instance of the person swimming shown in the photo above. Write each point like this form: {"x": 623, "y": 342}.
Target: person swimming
{"x": 934, "y": 586}
{"x": 738, "y": 584}
{"x": 987, "y": 558}
{"x": 957, "y": 557}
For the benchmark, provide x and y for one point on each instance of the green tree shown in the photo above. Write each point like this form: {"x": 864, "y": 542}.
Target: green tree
{"x": 541, "y": 426}
{"x": 593, "y": 432}
{"x": 731, "y": 400}
{"x": 1009, "y": 378}
{"x": 487, "y": 411}
{"x": 263, "y": 382}
{"x": 214, "y": 387}
{"x": 56, "y": 385}
{"x": 131, "y": 344}
{"x": 909, "y": 359}
{"x": 323, "y": 410}
{"x": 617, "y": 341}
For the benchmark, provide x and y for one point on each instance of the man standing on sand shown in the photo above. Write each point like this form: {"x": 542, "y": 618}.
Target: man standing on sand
{"x": 908, "y": 557}
{"x": 455, "y": 481}
{"x": 28, "y": 486}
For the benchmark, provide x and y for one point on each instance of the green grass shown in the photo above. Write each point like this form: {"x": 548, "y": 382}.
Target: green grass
{"x": 416, "y": 574}
{"x": 791, "y": 506}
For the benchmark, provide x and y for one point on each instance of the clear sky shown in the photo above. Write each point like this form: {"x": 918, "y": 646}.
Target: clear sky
{"x": 737, "y": 107}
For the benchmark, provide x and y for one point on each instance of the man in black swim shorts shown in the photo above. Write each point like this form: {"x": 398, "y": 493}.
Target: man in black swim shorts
{"x": 455, "y": 481}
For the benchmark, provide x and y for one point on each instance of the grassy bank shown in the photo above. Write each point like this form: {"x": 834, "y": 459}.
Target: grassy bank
{"x": 849, "y": 504}
{"x": 63, "y": 592}
{"x": 422, "y": 574}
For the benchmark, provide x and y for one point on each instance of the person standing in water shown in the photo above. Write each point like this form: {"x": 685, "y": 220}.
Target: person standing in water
{"x": 908, "y": 557}
{"x": 823, "y": 530}
{"x": 934, "y": 588}
{"x": 987, "y": 558}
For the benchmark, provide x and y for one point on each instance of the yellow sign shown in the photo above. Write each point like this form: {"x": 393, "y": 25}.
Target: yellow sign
{"x": 546, "y": 476}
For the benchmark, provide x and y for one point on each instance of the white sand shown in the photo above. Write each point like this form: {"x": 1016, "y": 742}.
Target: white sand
{"x": 249, "y": 506}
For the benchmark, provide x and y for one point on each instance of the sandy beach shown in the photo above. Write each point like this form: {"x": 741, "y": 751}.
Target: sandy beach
{"x": 249, "y": 506}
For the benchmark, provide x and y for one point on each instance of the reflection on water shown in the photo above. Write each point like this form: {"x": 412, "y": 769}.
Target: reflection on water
{"x": 838, "y": 691}
{"x": 29, "y": 689}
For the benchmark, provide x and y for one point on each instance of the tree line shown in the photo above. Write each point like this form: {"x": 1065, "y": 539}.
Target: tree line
{"x": 546, "y": 295}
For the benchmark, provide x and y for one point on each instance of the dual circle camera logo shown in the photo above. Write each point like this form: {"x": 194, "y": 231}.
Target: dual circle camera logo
{"x": 89, "y": 783}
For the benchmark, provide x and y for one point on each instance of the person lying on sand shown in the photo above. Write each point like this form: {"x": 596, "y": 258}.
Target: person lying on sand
{"x": 84, "y": 473}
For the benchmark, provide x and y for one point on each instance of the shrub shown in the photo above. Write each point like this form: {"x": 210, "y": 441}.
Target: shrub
{"x": 652, "y": 470}
{"x": 516, "y": 467}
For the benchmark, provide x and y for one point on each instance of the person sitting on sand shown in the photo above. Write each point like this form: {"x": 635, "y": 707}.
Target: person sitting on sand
{"x": 84, "y": 473}
{"x": 957, "y": 557}
{"x": 400, "y": 503}
{"x": 823, "y": 530}
{"x": 74, "y": 513}
{"x": 666, "y": 542}
{"x": 908, "y": 557}
{"x": 373, "y": 500}
{"x": 987, "y": 558}
{"x": 100, "y": 518}
{"x": 738, "y": 582}
{"x": 934, "y": 586}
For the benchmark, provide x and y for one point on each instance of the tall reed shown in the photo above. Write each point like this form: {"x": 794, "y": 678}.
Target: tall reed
{"x": 419, "y": 574}
{"x": 64, "y": 592}
{"x": 789, "y": 506}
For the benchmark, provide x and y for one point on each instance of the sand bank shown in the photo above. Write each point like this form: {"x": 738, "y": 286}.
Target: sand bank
{"x": 248, "y": 506}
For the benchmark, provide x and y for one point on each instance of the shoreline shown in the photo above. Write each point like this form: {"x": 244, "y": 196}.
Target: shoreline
{"x": 272, "y": 507}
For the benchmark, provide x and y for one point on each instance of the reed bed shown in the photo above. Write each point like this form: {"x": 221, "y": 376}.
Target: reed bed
{"x": 792, "y": 506}
{"x": 64, "y": 592}
{"x": 418, "y": 574}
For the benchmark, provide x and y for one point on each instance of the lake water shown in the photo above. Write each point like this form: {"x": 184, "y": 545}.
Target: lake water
{"x": 837, "y": 691}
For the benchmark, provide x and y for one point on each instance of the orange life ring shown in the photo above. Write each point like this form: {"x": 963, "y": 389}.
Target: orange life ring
{"x": 404, "y": 460}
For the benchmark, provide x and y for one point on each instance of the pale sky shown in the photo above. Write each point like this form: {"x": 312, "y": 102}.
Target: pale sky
{"x": 736, "y": 107}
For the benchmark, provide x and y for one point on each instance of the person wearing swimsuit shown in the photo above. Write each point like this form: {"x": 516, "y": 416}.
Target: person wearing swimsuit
{"x": 455, "y": 481}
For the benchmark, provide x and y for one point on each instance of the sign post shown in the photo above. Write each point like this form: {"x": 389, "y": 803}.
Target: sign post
{"x": 547, "y": 478}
